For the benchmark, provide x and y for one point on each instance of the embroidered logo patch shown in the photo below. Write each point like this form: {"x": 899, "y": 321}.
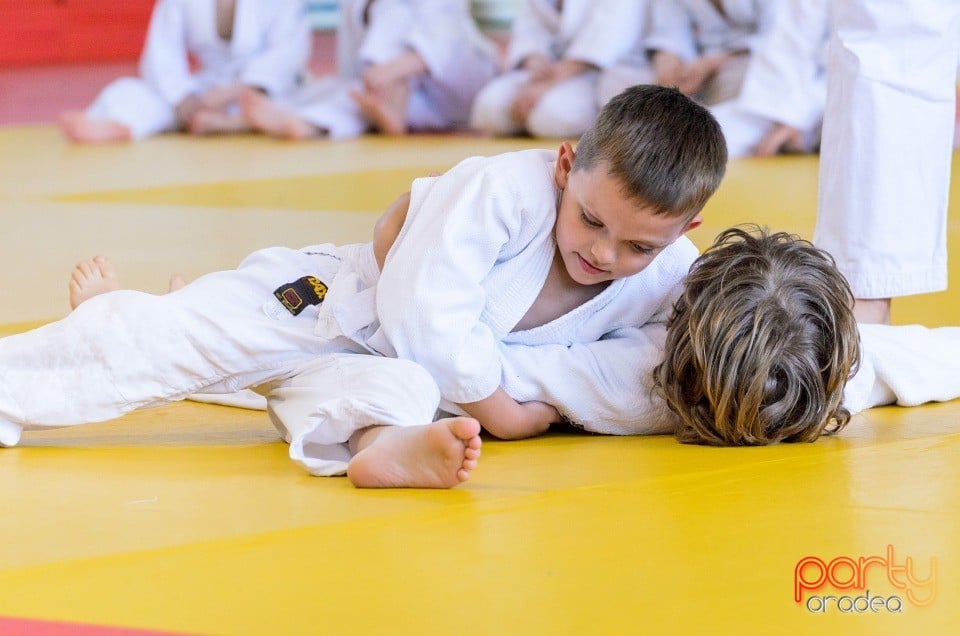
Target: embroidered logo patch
{"x": 301, "y": 293}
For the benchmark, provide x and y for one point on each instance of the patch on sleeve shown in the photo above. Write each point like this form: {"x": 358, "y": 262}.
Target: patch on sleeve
{"x": 301, "y": 293}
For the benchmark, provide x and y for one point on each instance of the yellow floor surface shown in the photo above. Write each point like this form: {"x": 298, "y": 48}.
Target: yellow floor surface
{"x": 191, "y": 518}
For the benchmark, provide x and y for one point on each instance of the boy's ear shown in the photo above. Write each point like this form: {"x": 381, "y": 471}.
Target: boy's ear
{"x": 694, "y": 223}
{"x": 561, "y": 171}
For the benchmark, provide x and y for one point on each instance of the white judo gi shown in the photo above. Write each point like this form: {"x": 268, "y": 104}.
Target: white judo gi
{"x": 886, "y": 150}
{"x": 269, "y": 49}
{"x": 599, "y": 32}
{"x": 694, "y": 28}
{"x": 459, "y": 60}
{"x": 469, "y": 262}
{"x": 785, "y": 82}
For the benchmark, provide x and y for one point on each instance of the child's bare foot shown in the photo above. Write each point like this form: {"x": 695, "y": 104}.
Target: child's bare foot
{"x": 386, "y": 110}
{"x": 437, "y": 455}
{"x": 177, "y": 281}
{"x": 92, "y": 278}
{"x": 261, "y": 113}
{"x": 210, "y": 121}
{"x": 82, "y": 129}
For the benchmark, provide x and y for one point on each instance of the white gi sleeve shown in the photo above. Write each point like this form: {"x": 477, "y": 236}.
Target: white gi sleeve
{"x": 429, "y": 297}
{"x": 602, "y": 387}
{"x": 786, "y": 80}
{"x": 439, "y": 32}
{"x": 907, "y": 364}
{"x": 671, "y": 29}
{"x": 610, "y": 32}
{"x": 286, "y": 50}
{"x": 164, "y": 64}
{"x": 388, "y": 24}
{"x": 529, "y": 36}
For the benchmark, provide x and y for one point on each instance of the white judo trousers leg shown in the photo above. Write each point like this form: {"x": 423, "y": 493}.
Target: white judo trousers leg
{"x": 491, "y": 107}
{"x": 444, "y": 103}
{"x": 330, "y": 398}
{"x": 567, "y": 109}
{"x": 127, "y": 350}
{"x": 326, "y": 103}
{"x": 886, "y": 149}
{"x": 133, "y": 103}
{"x": 907, "y": 365}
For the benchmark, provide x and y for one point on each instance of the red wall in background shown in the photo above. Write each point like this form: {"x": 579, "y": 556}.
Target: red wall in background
{"x": 57, "y": 31}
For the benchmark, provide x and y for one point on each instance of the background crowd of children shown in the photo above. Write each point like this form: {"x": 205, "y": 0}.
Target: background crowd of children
{"x": 226, "y": 66}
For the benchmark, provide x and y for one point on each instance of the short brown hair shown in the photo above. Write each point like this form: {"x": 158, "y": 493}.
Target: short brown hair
{"x": 760, "y": 344}
{"x": 666, "y": 150}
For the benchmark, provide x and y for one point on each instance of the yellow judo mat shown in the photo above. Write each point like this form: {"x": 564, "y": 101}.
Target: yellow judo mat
{"x": 191, "y": 518}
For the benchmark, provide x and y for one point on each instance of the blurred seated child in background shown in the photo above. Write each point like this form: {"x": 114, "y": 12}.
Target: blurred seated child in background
{"x": 780, "y": 106}
{"x": 555, "y": 52}
{"x": 240, "y": 45}
{"x": 703, "y": 46}
{"x": 402, "y": 65}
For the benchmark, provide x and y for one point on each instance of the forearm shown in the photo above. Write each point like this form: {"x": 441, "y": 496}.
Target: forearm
{"x": 504, "y": 417}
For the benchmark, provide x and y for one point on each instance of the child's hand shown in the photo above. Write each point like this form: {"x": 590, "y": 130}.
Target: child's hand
{"x": 220, "y": 97}
{"x": 780, "y": 137}
{"x": 527, "y": 99}
{"x": 695, "y": 74}
{"x": 187, "y": 108}
{"x": 667, "y": 68}
{"x": 539, "y": 416}
{"x": 537, "y": 65}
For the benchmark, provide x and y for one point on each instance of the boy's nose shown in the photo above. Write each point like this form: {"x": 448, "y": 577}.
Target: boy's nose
{"x": 603, "y": 253}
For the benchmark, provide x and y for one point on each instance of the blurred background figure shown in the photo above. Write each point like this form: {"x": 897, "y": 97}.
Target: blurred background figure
{"x": 402, "y": 65}
{"x": 781, "y": 102}
{"x": 236, "y": 45}
{"x": 555, "y": 53}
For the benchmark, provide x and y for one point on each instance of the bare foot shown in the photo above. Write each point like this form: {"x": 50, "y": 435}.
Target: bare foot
{"x": 261, "y": 113}
{"x": 437, "y": 455}
{"x": 387, "y": 110}
{"x": 177, "y": 281}
{"x": 210, "y": 121}
{"x": 92, "y": 278}
{"x": 82, "y": 129}
{"x": 872, "y": 310}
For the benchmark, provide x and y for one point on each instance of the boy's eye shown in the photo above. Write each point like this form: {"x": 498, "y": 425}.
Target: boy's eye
{"x": 640, "y": 249}
{"x": 588, "y": 221}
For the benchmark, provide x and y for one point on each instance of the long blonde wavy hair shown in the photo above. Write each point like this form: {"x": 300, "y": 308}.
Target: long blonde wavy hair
{"x": 760, "y": 344}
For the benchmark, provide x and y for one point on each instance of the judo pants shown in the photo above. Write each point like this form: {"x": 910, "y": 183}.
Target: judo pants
{"x": 886, "y": 151}
{"x": 226, "y": 331}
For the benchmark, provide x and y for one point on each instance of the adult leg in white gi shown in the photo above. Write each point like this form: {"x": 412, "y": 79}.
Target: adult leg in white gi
{"x": 133, "y": 103}
{"x": 886, "y": 150}
{"x": 128, "y": 350}
{"x": 906, "y": 365}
